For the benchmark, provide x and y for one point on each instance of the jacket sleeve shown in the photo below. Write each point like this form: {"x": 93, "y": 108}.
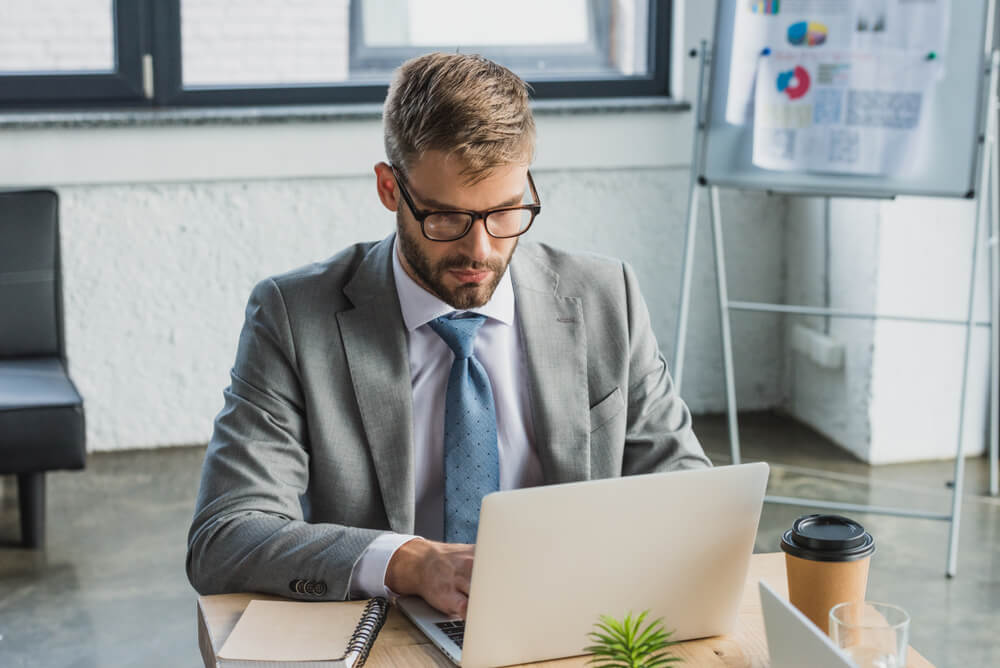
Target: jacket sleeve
{"x": 658, "y": 436}
{"x": 248, "y": 531}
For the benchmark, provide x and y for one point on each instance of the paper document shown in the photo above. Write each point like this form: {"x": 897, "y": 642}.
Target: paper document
{"x": 849, "y": 112}
{"x": 810, "y": 27}
{"x": 293, "y": 631}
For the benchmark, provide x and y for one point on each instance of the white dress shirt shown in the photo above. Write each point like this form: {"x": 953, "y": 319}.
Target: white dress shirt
{"x": 498, "y": 348}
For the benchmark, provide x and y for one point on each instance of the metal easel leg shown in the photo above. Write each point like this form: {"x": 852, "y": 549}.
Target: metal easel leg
{"x": 956, "y": 500}
{"x": 987, "y": 161}
{"x": 685, "y": 305}
{"x": 993, "y": 248}
{"x": 727, "y": 338}
{"x": 697, "y": 147}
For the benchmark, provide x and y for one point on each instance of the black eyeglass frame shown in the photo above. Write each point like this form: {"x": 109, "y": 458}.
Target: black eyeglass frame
{"x": 421, "y": 215}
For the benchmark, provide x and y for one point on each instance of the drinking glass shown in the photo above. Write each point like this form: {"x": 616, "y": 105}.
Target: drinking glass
{"x": 874, "y": 635}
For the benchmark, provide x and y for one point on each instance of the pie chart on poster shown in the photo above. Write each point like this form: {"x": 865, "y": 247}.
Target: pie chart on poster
{"x": 794, "y": 83}
{"x": 807, "y": 33}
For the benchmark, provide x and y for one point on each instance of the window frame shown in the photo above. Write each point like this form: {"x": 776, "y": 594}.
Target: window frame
{"x": 123, "y": 85}
{"x": 154, "y": 27}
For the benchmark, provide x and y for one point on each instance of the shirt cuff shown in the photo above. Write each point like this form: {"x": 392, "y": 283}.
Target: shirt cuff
{"x": 368, "y": 576}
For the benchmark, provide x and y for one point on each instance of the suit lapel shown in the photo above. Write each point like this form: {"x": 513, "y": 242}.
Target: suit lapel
{"x": 374, "y": 339}
{"x": 555, "y": 346}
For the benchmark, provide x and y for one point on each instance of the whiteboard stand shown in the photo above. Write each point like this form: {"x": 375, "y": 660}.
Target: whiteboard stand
{"x": 994, "y": 295}
{"x": 990, "y": 163}
{"x": 696, "y": 184}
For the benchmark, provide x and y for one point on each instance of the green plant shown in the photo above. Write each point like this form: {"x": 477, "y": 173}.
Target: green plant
{"x": 626, "y": 644}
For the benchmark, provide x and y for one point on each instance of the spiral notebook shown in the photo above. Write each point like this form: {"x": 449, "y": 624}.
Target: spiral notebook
{"x": 270, "y": 634}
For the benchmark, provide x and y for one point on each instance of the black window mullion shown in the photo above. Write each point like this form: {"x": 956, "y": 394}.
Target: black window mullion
{"x": 659, "y": 44}
{"x": 166, "y": 32}
{"x": 130, "y": 19}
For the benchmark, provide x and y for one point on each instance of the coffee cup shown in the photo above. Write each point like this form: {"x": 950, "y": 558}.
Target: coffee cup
{"x": 826, "y": 559}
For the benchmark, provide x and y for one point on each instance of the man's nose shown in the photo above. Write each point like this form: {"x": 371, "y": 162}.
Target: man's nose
{"x": 478, "y": 244}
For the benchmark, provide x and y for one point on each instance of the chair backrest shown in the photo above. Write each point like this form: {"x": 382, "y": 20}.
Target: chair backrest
{"x": 30, "y": 277}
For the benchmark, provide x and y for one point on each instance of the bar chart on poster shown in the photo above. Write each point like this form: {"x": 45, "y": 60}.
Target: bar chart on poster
{"x": 847, "y": 97}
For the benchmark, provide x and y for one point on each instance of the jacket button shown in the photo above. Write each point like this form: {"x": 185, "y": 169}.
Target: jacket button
{"x": 309, "y": 587}
{"x": 319, "y": 589}
{"x": 294, "y": 585}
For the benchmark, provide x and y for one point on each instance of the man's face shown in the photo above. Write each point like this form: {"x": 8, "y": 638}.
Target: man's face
{"x": 463, "y": 273}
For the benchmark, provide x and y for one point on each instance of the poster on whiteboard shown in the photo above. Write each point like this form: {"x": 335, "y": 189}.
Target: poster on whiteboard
{"x": 809, "y": 27}
{"x": 849, "y": 112}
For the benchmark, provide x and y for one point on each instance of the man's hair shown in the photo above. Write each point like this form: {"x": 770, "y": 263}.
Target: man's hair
{"x": 463, "y": 105}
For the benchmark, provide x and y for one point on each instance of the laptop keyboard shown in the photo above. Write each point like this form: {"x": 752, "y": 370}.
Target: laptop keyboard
{"x": 454, "y": 630}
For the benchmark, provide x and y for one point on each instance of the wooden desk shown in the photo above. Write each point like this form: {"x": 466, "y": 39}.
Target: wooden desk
{"x": 400, "y": 644}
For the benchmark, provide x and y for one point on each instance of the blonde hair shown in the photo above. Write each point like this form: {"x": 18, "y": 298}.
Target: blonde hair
{"x": 462, "y": 105}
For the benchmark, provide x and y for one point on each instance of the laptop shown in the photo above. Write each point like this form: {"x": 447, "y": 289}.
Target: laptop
{"x": 550, "y": 560}
{"x": 792, "y": 640}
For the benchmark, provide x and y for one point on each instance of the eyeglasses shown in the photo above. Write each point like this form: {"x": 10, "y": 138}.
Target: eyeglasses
{"x": 503, "y": 222}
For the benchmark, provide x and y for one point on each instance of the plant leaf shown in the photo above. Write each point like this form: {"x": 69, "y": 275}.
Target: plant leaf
{"x": 602, "y": 637}
{"x": 654, "y": 629}
{"x": 632, "y": 642}
{"x": 613, "y": 626}
{"x": 609, "y": 649}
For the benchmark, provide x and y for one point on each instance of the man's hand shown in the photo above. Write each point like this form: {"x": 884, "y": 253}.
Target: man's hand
{"x": 439, "y": 573}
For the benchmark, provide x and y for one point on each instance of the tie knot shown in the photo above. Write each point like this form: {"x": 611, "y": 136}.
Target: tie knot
{"x": 458, "y": 333}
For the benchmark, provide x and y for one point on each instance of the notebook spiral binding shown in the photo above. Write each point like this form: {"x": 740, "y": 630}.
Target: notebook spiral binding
{"x": 371, "y": 622}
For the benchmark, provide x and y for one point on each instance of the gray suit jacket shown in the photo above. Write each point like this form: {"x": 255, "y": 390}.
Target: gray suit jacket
{"x": 311, "y": 457}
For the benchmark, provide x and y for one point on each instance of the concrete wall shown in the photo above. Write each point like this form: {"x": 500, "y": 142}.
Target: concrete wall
{"x": 896, "y": 397}
{"x": 834, "y": 402}
{"x": 924, "y": 263}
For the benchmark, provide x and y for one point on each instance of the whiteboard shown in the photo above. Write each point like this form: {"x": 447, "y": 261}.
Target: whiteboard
{"x": 953, "y": 140}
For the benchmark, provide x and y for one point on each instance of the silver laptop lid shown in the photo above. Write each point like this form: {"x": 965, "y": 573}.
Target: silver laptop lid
{"x": 792, "y": 640}
{"x": 550, "y": 560}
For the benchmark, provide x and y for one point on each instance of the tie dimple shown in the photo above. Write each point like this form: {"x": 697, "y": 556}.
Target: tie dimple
{"x": 458, "y": 333}
{"x": 471, "y": 458}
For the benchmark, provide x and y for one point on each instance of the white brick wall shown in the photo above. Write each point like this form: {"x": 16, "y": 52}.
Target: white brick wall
{"x": 264, "y": 42}
{"x": 56, "y": 35}
{"x": 156, "y": 277}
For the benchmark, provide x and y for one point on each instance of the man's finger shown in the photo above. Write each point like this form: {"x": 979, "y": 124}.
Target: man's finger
{"x": 453, "y": 604}
{"x": 463, "y": 584}
{"x": 461, "y": 605}
{"x": 464, "y": 569}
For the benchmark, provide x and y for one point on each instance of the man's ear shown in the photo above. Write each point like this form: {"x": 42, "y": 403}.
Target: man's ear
{"x": 385, "y": 183}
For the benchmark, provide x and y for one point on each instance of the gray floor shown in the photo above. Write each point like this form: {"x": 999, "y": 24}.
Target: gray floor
{"x": 110, "y": 589}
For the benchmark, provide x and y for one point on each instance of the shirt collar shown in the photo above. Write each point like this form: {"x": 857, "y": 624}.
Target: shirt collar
{"x": 420, "y": 307}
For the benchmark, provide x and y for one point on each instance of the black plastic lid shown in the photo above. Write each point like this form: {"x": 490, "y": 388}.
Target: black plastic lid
{"x": 827, "y": 538}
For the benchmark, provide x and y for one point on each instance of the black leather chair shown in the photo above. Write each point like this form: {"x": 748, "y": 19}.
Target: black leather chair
{"x": 41, "y": 412}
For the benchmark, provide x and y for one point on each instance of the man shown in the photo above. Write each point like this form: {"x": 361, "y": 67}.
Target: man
{"x": 377, "y": 396}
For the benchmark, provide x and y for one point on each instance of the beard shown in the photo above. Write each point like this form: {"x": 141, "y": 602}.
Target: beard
{"x": 430, "y": 275}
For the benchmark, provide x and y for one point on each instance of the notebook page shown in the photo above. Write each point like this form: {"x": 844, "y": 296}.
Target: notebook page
{"x": 293, "y": 631}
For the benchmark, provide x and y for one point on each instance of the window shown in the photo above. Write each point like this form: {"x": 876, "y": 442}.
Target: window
{"x": 78, "y": 51}
{"x": 168, "y": 53}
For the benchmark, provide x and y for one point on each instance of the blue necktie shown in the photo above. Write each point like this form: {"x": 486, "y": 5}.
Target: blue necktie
{"x": 471, "y": 459}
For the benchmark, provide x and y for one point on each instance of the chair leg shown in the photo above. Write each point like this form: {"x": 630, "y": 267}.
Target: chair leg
{"x": 31, "y": 498}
